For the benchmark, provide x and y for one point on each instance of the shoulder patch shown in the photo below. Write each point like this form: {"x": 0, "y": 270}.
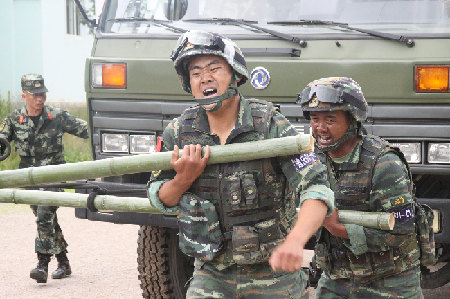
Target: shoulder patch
{"x": 403, "y": 214}
{"x": 2, "y": 126}
{"x": 303, "y": 160}
{"x": 399, "y": 201}
{"x": 155, "y": 173}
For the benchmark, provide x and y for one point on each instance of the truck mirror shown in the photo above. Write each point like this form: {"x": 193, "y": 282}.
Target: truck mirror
{"x": 175, "y": 10}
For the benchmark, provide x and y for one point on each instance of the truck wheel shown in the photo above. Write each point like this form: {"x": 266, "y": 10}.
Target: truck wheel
{"x": 163, "y": 268}
{"x": 435, "y": 276}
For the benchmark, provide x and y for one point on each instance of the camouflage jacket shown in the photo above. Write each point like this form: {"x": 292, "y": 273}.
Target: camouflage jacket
{"x": 41, "y": 144}
{"x": 309, "y": 180}
{"x": 371, "y": 253}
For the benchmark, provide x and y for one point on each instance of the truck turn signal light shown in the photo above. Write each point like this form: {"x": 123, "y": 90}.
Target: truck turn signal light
{"x": 109, "y": 75}
{"x": 432, "y": 78}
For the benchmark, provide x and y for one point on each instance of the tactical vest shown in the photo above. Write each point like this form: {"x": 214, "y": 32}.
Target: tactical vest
{"x": 352, "y": 192}
{"x": 246, "y": 195}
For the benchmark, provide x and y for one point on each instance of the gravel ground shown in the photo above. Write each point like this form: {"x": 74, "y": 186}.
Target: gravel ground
{"x": 102, "y": 256}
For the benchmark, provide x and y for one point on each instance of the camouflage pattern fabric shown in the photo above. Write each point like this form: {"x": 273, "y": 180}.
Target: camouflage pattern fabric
{"x": 41, "y": 145}
{"x": 38, "y": 146}
{"x": 425, "y": 233}
{"x": 33, "y": 83}
{"x": 370, "y": 254}
{"x": 187, "y": 49}
{"x": 246, "y": 281}
{"x": 49, "y": 238}
{"x": 405, "y": 285}
{"x": 307, "y": 181}
{"x": 203, "y": 238}
{"x": 349, "y": 98}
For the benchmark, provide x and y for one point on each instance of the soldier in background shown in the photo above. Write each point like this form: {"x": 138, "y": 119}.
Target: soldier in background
{"x": 37, "y": 131}
{"x": 233, "y": 216}
{"x": 366, "y": 174}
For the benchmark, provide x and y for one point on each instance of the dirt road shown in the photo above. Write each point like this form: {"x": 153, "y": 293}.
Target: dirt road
{"x": 102, "y": 255}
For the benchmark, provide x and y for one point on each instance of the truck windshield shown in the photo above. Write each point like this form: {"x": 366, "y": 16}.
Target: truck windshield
{"x": 135, "y": 16}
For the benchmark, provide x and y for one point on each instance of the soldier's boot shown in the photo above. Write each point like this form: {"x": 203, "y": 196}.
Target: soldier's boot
{"x": 40, "y": 273}
{"x": 63, "y": 269}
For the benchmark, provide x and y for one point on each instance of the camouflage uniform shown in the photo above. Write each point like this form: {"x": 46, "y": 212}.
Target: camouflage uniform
{"x": 376, "y": 263}
{"x": 373, "y": 177}
{"x": 225, "y": 267}
{"x": 39, "y": 145}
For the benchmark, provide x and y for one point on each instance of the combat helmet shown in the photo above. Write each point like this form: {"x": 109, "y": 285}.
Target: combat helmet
{"x": 335, "y": 93}
{"x": 196, "y": 42}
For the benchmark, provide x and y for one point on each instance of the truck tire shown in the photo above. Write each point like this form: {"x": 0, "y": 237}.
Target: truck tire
{"x": 163, "y": 269}
{"x": 436, "y": 276}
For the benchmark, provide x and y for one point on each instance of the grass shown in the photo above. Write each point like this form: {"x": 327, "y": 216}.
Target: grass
{"x": 75, "y": 149}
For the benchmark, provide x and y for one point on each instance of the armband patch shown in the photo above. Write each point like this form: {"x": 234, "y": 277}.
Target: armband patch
{"x": 301, "y": 161}
{"x": 403, "y": 214}
{"x": 2, "y": 126}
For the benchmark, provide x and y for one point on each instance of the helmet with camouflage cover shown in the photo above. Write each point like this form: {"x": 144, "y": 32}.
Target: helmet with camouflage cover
{"x": 33, "y": 83}
{"x": 331, "y": 94}
{"x": 196, "y": 42}
{"x": 334, "y": 93}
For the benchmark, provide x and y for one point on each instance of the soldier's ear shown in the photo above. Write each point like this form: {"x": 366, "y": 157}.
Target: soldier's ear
{"x": 238, "y": 77}
{"x": 23, "y": 95}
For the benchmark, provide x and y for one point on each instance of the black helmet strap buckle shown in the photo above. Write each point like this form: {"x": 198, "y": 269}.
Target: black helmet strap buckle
{"x": 217, "y": 100}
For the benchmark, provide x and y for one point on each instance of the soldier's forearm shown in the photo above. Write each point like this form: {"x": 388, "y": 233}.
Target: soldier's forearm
{"x": 310, "y": 218}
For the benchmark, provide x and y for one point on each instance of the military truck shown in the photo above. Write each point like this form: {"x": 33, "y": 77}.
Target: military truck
{"x": 398, "y": 51}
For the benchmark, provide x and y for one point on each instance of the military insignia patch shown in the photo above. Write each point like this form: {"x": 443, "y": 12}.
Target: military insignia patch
{"x": 313, "y": 103}
{"x": 403, "y": 214}
{"x": 301, "y": 161}
{"x": 188, "y": 46}
{"x": 2, "y": 126}
{"x": 399, "y": 201}
{"x": 156, "y": 173}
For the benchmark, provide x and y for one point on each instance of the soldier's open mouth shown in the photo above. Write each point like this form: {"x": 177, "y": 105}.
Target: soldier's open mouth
{"x": 324, "y": 139}
{"x": 209, "y": 92}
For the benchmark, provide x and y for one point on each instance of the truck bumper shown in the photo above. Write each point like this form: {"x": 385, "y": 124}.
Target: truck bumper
{"x": 129, "y": 218}
{"x": 160, "y": 220}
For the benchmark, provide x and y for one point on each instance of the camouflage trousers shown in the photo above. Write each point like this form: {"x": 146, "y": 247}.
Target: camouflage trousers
{"x": 255, "y": 281}
{"x": 49, "y": 237}
{"x": 403, "y": 285}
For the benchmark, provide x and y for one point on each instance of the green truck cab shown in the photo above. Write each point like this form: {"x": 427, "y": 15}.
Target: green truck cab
{"x": 398, "y": 51}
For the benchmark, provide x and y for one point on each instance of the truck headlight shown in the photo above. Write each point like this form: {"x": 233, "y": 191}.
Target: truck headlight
{"x": 439, "y": 153}
{"x": 140, "y": 144}
{"x": 109, "y": 75}
{"x": 115, "y": 143}
{"x": 412, "y": 151}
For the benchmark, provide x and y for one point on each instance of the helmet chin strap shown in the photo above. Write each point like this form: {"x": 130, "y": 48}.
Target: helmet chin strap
{"x": 352, "y": 130}
{"x": 217, "y": 100}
